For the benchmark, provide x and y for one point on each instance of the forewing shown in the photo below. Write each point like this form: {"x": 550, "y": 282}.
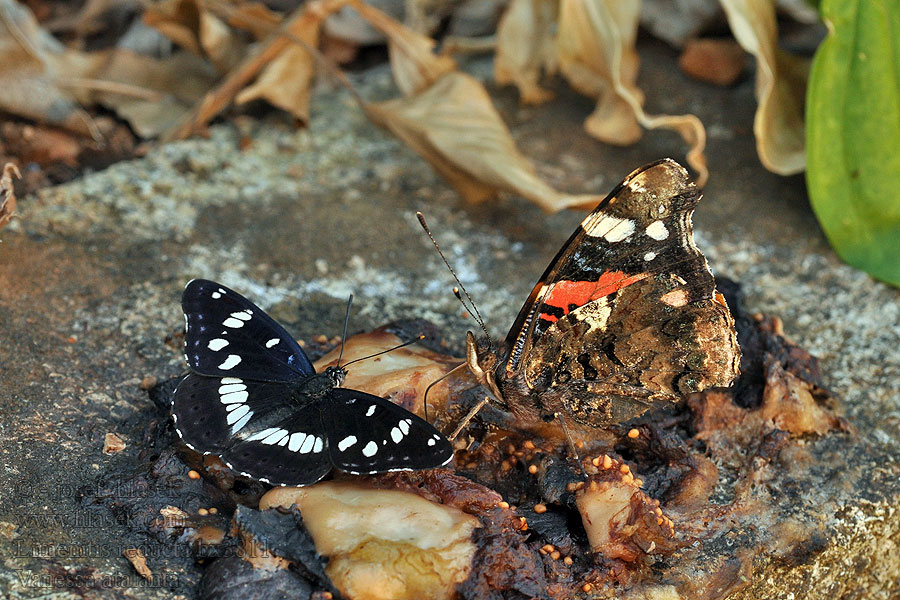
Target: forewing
{"x": 209, "y": 412}
{"x": 226, "y": 335}
{"x": 292, "y": 451}
{"x": 640, "y": 240}
{"x": 369, "y": 434}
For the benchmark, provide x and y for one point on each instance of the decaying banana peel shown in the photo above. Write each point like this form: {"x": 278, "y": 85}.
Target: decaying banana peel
{"x": 621, "y": 521}
{"x": 401, "y": 375}
{"x": 384, "y": 544}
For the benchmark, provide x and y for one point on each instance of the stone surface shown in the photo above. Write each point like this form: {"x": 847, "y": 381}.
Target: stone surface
{"x": 92, "y": 272}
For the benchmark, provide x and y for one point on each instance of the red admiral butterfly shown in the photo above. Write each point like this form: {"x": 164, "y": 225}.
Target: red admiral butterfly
{"x": 254, "y": 398}
{"x": 626, "y": 317}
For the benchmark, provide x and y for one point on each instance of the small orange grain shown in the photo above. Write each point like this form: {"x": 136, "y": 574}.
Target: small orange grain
{"x": 202, "y": 512}
{"x": 586, "y": 588}
{"x": 596, "y": 461}
{"x": 607, "y": 462}
{"x": 624, "y": 469}
{"x": 542, "y": 551}
{"x": 532, "y": 469}
{"x": 548, "y": 548}
{"x": 568, "y": 560}
{"x": 540, "y": 508}
{"x": 503, "y": 504}
{"x": 192, "y": 474}
{"x": 213, "y": 510}
{"x": 639, "y": 482}
{"x": 659, "y": 521}
{"x": 628, "y": 478}
{"x": 528, "y": 445}
{"x": 555, "y": 555}
{"x": 570, "y": 487}
{"x": 633, "y": 433}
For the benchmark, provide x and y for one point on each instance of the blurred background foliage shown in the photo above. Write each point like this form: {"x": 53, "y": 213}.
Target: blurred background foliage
{"x": 85, "y": 84}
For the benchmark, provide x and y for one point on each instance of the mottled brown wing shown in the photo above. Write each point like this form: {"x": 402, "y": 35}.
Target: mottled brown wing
{"x": 628, "y": 308}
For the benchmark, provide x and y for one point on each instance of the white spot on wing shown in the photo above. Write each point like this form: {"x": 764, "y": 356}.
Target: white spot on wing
{"x": 297, "y": 440}
{"x": 404, "y": 425}
{"x": 657, "y": 230}
{"x": 217, "y": 344}
{"x": 243, "y": 315}
{"x": 396, "y": 435}
{"x": 241, "y": 423}
{"x": 307, "y": 444}
{"x": 371, "y": 411}
{"x": 612, "y": 229}
{"x": 272, "y": 342}
{"x": 431, "y": 442}
{"x": 259, "y": 435}
{"x": 231, "y": 380}
{"x": 318, "y": 447}
{"x": 233, "y": 323}
{"x": 231, "y": 387}
{"x": 346, "y": 442}
{"x": 232, "y": 361}
{"x": 216, "y": 295}
{"x": 232, "y": 397}
{"x": 275, "y": 437}
{"x": 650, "y": 256}
{"x": 236, "y": 415}
{"x": 370, "y": 449}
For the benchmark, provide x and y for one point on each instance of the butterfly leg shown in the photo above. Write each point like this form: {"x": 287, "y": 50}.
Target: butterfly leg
{"x": 570, "y": 442}
{"x": 469, "y": 416}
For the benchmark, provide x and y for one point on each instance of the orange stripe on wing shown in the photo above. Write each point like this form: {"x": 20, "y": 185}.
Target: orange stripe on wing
{"x": 578, "y": 293}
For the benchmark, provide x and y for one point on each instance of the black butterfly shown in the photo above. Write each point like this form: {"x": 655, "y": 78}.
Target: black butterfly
{"x": 254, "y": 398}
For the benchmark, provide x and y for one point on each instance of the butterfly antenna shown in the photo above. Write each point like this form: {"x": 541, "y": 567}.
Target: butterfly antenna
{"x": 397, "y": 347}
{"x": 456, "y": 290}
{"x": 435, "y": 382}
{"x": 344, "y": 336}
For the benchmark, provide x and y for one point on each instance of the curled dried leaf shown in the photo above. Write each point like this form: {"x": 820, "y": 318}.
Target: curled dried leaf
{"x": 526, "y": 47}
{"x": 413, "y": 62}
{"x": 455, "y": 127}
{"x": 780, "y": 86}
{"x": 306, "y": 18}
{"x": 401, "y": 375}
{"x": 191, "y": 25}
{"x": 287, "y": 81}
{"x": 596, "y": 47}
{"x": 7, "y": 193}
{"x": 31, "y": 65}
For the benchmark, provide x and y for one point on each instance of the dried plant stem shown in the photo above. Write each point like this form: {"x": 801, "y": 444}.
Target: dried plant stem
{"x": 469, "y": 45}
{"x": 113, "y": 87}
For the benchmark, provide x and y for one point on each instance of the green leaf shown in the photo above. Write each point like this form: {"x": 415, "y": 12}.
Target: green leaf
{"x": 853, "y": 134}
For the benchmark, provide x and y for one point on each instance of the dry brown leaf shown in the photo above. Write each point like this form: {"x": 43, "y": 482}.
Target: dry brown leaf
{"x": 596, "y": 49}
{"x": 287, "y": 81}
{"x": 171, "y": 86}
{"x": 178, "y": 20}
{"x": 7, "y": 193}
{"x": 526, "y": 47}
{"x": 455, "y": 127}
{"x": 780, "y": 86}
{"x": 31, "y": 65}
{"x": 192, "y": 26}
{"x": 413, "y": 62}
{"x": 254, "y": 17}
{"x": 305, "y": 18}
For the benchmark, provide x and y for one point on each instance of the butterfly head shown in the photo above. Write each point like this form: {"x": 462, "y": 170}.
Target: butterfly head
{"x": 482, "y": 358}
{"x": 336, "y": 375}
